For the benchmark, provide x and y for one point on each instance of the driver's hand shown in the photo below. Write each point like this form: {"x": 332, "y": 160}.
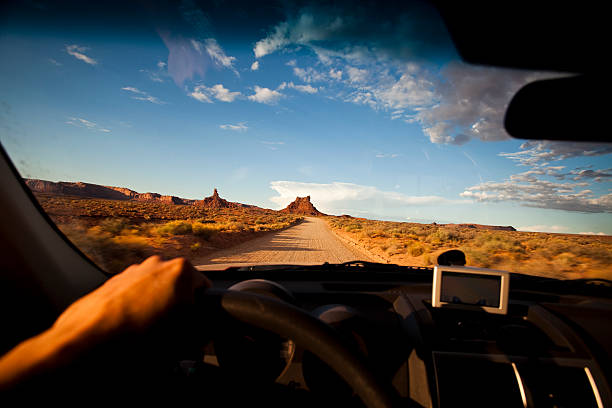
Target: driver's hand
{"x": 134, "y": 299}
{"x": 128, "y": 303}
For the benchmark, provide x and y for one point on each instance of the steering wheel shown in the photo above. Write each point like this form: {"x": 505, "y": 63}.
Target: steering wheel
{"x": 305, "y": 330}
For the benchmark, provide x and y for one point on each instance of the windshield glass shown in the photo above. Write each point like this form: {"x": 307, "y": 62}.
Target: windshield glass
{"x": 241, "y": 133}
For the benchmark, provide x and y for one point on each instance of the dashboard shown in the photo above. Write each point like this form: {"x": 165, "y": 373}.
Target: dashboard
{"x": 547, "y": 350}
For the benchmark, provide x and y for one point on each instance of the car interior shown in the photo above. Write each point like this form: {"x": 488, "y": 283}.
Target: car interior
{"x": 356, "y": 333}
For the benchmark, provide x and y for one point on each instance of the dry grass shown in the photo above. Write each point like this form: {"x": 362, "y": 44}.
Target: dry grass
{"x": 116, "y": 234}
{"x": 555, "y": 255}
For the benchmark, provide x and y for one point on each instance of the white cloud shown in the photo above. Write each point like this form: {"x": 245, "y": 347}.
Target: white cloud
{"x": 78, "y": 52}
{"x": 534, "y": 188}
{"x": 302, "y": 88}
{"x": 599, "y": 175}
{"x": 142, "y": 95}
{"x": 408, "y": 91}
{"x": 471, "y": 102}
{"x": 158, "y": 74}
{"x": 577, "y": 174}
{"x": 357, "y": 75}
{"x": 544, "y": 228}
{"x": 271, "y": 145}
{"x": 380, "y": 70}
{"x": 196, "y": 45}
{"x": 440, "y": 133}
{"x": 533, "y": 192}
{"x": 306, "y": 28}
{"x": 54, "y": 62}
{"x": 335, "y": 74}
{"x": 255, "y": 66}
{"x": 534, "y": 153}
{"x": 131, "y": 89}
{"x": 336, "y": 197}
{"x": 217, "y": 54}
{"x": 203, "y": 93}
{"x": 223, "y": 94}
{"x": 84, "y": 123}
{"x": 273, "y": 42}
{"x": 240, "y": 127}
{"x": 309, "y": 74}
{"x": 200, "y": 93}
{"x": 153, "y": 76}
{"x": 265, "y": 95}
{"x": 387, "y": 155}
{"x": 592, "y": 233}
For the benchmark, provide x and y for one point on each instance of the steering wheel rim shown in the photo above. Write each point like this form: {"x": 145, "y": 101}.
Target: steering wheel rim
{"x": 305, "y": 330}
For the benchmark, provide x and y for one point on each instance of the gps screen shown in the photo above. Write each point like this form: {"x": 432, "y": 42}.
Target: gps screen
{"x": 470, "y": 289}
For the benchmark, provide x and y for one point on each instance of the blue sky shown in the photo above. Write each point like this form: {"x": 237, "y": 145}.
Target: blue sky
{"x": 292, "y": 106}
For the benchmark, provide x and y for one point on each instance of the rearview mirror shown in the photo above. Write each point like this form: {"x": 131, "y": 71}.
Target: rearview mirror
{"x": 567, "y": 108}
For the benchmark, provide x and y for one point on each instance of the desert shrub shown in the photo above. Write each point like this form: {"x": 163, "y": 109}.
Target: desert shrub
{"x": 498, "y": 242}
{"x": 441, "y": 236}
{"x": 352, "y": 227}
{"x": 555, "y": 248}
{"x": 237, "y": 226}
{"x": 175, "y": 228}
{"x": 429, "y": 259}
{"x": 376, "y": 234}
{"x": 396, "y": 249}
{"x": 114, "y": 225}
{"x": 113, "y": 254}
{"x": 232, "y": 226}
{"x": 566, "y": 260}
{"x": 204, "y": 231}
{"x": 205, "y": 221}
{"x": 416, "y": 250}
{"x": 134, "y": 241}
{"x": 476, "y": 257}
{"x": 195, "y": 246}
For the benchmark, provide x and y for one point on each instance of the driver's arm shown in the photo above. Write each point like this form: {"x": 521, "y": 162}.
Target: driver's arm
{"x": 130, "y": 302}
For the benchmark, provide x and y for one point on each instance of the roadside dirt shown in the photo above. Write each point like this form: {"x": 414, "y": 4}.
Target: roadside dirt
{"x": 308, "y": 243}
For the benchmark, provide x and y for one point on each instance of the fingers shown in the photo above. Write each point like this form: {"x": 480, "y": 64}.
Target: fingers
{"x": 191, "y": 278}
{"x": 199, "y": 279}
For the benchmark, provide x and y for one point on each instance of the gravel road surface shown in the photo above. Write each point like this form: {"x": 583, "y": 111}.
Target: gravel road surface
{"x": 308, "y": 243}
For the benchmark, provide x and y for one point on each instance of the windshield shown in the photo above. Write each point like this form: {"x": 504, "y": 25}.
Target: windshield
{"x": 244, "y": 133}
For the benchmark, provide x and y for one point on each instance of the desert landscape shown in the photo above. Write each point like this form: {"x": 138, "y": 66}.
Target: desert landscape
{"x": 116, "y": 227}
{"x": 564, "y": 256}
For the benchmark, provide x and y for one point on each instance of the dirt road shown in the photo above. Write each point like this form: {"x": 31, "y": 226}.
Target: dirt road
{"x": 308, "y": 243}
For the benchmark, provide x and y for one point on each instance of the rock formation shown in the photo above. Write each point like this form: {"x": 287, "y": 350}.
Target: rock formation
{"x": 482, "y": 227}
{"x": 216, "y": 202}
{"x": 302, "y": 206}
{"x": 79, "y": 189}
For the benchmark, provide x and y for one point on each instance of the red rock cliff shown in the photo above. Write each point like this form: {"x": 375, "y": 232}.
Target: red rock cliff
{"x": 302, "y": 206}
